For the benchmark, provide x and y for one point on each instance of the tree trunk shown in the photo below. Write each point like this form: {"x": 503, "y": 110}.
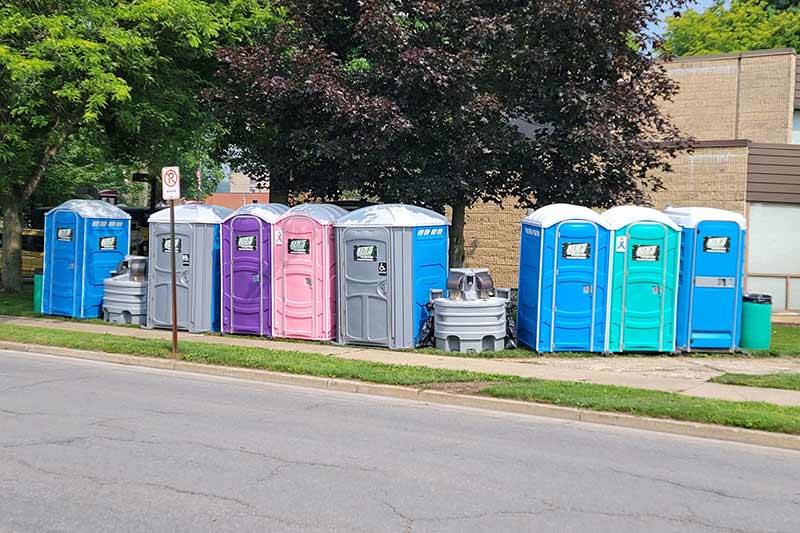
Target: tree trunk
{"x": 12, "y": 203}
{"x": 278, "y": 191}
{"x": 12, "y": 244}
{"x": 457, "y": 253}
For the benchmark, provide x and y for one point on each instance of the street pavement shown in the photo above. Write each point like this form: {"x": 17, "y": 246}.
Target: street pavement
{"x": 93, "y": 447}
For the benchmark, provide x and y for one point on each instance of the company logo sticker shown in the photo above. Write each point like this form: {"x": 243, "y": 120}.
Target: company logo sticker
{"x": 576, "y": 250}
{"x": 299, "y": 246}
{"x": 717, "y": 245}
{"x": 649, "y": 253}
{"x": 64, "y": 234}
{"x": 246, "y": 243}
{"x": 365, "y": 253}
{"x": 108, "y": 243}
{"x": 166, "y": 245}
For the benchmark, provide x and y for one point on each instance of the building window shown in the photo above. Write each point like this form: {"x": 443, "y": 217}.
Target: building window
{"x": 796, "y": 127}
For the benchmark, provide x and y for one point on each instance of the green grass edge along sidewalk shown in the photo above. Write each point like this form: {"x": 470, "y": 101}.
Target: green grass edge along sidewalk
{"x": 785, "y": 381}
{"x": 761, "y": 416}
{"x": 785, "y": 339}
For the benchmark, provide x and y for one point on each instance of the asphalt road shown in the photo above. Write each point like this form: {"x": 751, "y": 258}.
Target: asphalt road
{"x": 92, "y": 447}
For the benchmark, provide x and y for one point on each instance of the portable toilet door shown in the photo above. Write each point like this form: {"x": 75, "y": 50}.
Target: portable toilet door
{"x": 84, "y": 242}
{"x": 563, "y": 278}
{"x": 247, "y": 269}
{"x": 389, "y": 257}
{"x": 61, "y": 256}
{"x": 711, "y": 278}
{"x": 643, "y": 279}
{"x": 304, "y": 272}
{"x": 197, "y": 266}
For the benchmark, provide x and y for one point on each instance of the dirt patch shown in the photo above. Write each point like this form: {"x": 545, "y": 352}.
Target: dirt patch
{"x": 462, "y": 387}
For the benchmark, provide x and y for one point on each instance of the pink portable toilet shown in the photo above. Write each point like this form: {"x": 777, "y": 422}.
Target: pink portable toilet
{"x": 304, "y": 272}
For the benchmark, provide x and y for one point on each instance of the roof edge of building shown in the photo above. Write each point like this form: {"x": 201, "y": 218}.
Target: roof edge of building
{"x": 712, "y": 143}
{"x": 732, "y": 55}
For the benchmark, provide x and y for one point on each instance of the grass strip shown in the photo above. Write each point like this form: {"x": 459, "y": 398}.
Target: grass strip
{"x": 786, "y": 381}
{"x": 761, "y": 416}
{"x": 18, "y": 303}
{"x": 785, "y": 339}
{"x": 290, "y": 362}
{"x": 656, "y": 404}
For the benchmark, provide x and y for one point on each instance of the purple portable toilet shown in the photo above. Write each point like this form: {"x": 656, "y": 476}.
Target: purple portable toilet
{"x": 247, "y": 269}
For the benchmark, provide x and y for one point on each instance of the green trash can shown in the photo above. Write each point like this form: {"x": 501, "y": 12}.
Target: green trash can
{"x": 38, "y": 274}
{"x": 756, "y": 322}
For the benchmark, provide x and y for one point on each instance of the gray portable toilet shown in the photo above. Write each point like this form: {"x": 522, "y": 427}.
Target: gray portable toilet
{"x": 197, "y": 262}
{"x": 389, "y": 258}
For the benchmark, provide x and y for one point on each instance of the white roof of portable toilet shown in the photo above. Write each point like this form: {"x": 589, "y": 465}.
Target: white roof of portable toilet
{"x": 619, "y": 217}
{"x": 193, "y": 213}
{"x": 269, "y": 213}
{"x": 322, "y": 213}
{"x": 393, "y": 215}
{"x": 690, "y": 217}
{"x": 553, "y": 214}
{"x": 91, "y": 209}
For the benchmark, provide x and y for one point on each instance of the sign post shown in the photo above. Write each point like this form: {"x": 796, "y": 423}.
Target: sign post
{"x": 171, "y": 191}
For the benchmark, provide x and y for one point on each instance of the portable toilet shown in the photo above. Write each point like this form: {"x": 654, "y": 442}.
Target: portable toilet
{"x": 563, "y": 279}
{"x": 711, "y": 277}
{"x": 85, "y": 240}
{"x": 247, "y": 269}
{"x": 197, "y": 264}
{"x": 389, "y": 258}
{"x": 304, "y": 272}
{"x": 643, "y": 279}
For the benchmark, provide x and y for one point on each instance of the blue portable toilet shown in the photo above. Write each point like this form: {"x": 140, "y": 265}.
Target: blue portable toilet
{"x": 563, "y": 279}
{"x": 389, "y": 257}
{"x": 84, "y": 241}
{"x": 711, "y": 278}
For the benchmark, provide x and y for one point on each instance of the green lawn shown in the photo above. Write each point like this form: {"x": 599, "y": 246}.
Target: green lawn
{"x": 785, "y": 339}
{"x": 246, "y": 357}
{"x": 767, "y": 417}
{"x": 785, "y": 342}
{"x": 786, "y": 381}
{"x": 596, "y": 397}
{"x": 18, "y": 303}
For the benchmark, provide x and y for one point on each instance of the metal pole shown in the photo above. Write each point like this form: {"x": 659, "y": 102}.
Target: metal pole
{"x": 174, "y": 283}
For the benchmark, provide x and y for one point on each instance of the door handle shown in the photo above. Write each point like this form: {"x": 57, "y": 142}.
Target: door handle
{"x": 256, "y": 278}
{"x": 308, "y": 282}
{"x": 656, "y": 289}
{"x": 72, "y": 266}
{"x": 587, "y": 289}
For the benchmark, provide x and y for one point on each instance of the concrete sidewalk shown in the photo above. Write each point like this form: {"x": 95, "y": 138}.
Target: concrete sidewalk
{"x": 682, "y": 375}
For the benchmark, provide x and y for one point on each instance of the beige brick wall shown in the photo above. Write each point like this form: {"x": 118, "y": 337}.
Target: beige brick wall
{"x": 762, "y": 86}
{"x": 491, "y": 240}
{"x": 710, "y": 177}
{"x": 705, "y": 107}
{"x": 766, "y": 98}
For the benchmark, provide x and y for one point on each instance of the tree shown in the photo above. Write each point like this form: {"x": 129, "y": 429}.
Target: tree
{"x": 746, "y": 25}
{"x": 452, "y": 102}
{"x": 133, "y": 68}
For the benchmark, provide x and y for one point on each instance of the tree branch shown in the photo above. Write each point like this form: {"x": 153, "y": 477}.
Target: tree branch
{"x": 52, "y": 149}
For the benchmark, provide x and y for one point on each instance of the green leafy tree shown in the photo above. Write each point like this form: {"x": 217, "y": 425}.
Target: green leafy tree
{"x": 133, "y": 68}
{"x": 745, "y": 25}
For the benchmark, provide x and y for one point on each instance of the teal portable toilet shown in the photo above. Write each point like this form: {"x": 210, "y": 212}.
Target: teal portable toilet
{"x": 643, "y": 280}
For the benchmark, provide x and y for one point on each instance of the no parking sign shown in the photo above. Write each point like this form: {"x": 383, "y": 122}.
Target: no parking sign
{"x": 170, "y": 183}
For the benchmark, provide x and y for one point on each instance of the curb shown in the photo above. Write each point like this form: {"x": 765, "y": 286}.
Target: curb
{"x": 674, "y": 427}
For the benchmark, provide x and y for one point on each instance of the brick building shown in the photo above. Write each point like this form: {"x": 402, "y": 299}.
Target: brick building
{"x": 743, "y": 110}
